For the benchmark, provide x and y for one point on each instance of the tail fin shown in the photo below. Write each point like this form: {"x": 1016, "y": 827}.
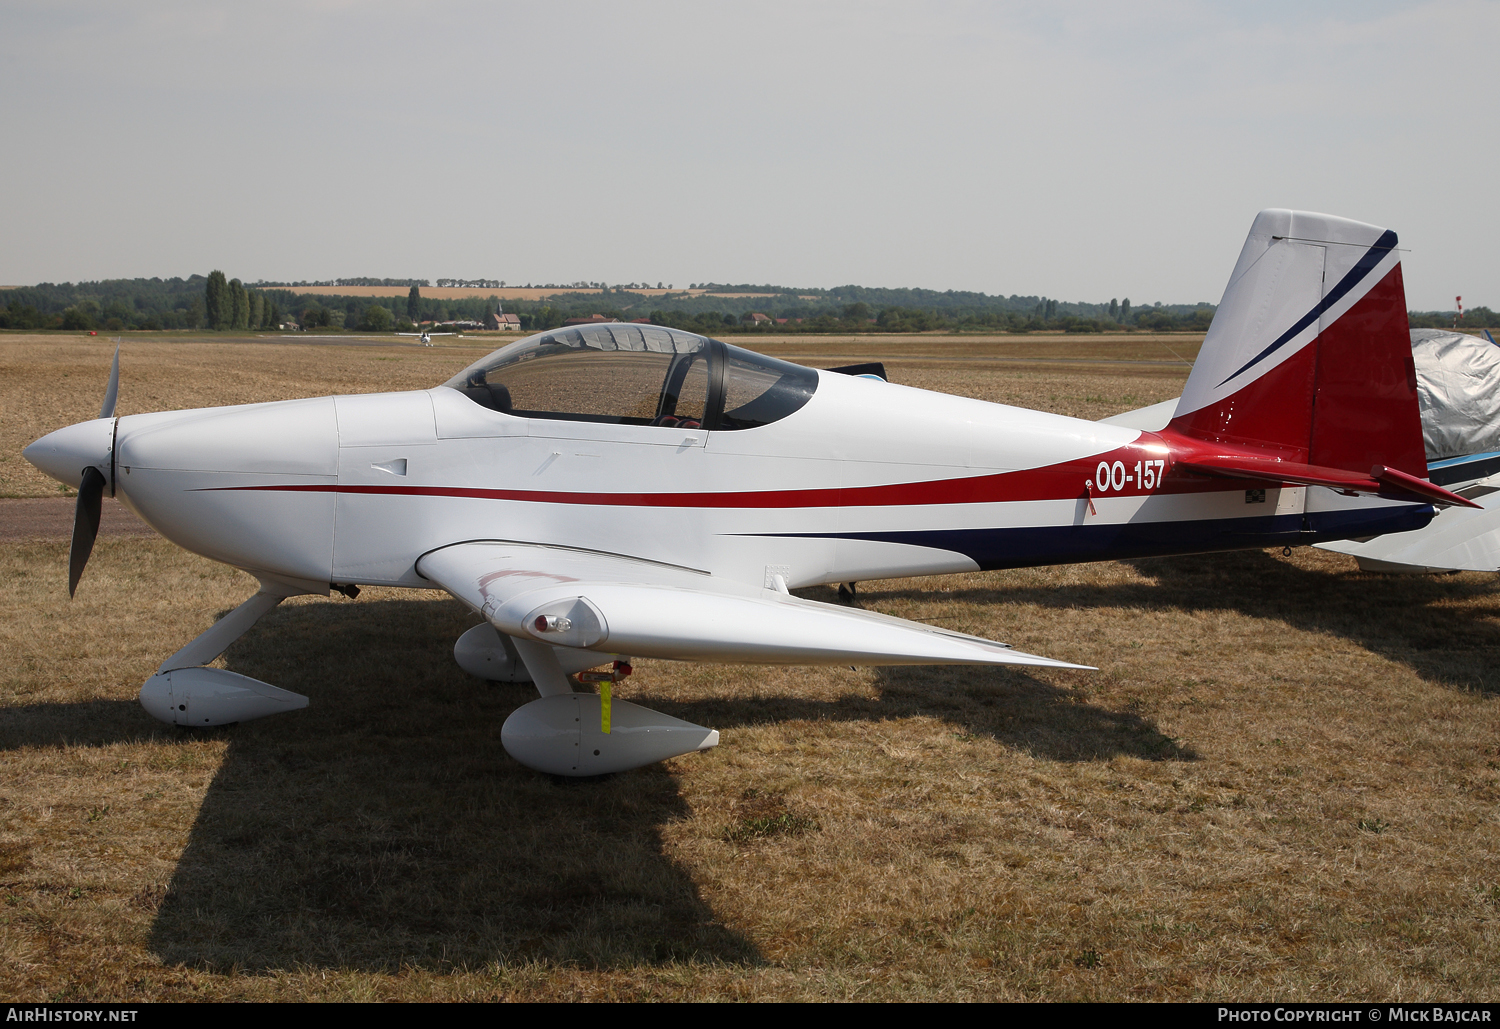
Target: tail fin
{"x": 1309, "y": 353}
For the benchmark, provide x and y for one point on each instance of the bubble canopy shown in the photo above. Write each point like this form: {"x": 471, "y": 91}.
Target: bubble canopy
{"x": 634, "y": 374}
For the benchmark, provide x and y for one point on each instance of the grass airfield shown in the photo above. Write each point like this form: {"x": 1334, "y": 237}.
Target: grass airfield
{"x": 1281, "y": 783}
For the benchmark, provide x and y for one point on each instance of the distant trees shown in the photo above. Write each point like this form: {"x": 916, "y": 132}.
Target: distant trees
{"x": 218, "y": 308}
{"x": 1156, "y": 320}
{"x": 376, "y": 319}
{"x": 77, "y": 318}
{"x": 231, "y": 305}
{"x": 239, "y": 305}
{"x": 413, "y": 303}
{"x": 20, "y": 316}
{"x": 1474, "y": 319}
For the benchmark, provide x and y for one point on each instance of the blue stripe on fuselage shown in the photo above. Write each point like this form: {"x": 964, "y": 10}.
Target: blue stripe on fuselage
{"x": 1023, "y": 547}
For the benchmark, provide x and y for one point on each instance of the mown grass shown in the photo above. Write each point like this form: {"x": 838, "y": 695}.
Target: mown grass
{"x": 1281, "y": 783}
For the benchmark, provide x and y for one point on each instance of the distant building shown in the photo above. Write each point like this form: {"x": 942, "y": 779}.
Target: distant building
{"x": 502, "y": 321}
{"x": 590, "y": 320}
{"x": 756, "y": 318}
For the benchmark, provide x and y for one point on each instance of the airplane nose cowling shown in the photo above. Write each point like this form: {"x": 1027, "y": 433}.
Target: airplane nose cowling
{"x": 64, "y": 454}
{"x": 251, "y": 486}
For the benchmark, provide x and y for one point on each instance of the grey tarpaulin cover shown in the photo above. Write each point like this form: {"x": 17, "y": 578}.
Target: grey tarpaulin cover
{"x": 1458, "y": 386}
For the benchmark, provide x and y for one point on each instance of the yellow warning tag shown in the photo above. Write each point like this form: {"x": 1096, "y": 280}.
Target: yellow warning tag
{"x": 604, "y": 708}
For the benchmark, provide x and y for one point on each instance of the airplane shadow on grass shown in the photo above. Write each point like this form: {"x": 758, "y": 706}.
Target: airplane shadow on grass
{"x": 1427, "y": 622}
{"x": 1442, "y": 627}
{"x": 386, "y": 827}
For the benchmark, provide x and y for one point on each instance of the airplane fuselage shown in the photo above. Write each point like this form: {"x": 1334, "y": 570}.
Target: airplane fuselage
{"x": 868, "y": 480}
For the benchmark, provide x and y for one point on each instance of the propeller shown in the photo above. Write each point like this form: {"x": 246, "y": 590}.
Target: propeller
{"x": 112, "y": 391}
{"x": 90, "y": 506}
{"x": 85, "y": 524}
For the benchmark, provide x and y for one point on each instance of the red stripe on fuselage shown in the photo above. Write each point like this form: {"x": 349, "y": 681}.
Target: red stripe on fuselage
{"x": 1066, "y": 481}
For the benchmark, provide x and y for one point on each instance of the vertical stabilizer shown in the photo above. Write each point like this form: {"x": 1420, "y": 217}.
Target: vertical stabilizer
{"x": 1309, "y": 353}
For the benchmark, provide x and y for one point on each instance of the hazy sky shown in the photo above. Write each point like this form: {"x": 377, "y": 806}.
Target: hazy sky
{"x": 1077, "y": 150}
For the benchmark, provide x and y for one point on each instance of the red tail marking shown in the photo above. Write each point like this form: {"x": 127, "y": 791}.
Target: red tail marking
{"x": 1366, "y": 411}
{"x": 1345, "y": 401}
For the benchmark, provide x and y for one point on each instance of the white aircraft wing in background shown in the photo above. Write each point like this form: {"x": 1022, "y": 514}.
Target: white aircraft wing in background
{"x": 1458, "y": 539}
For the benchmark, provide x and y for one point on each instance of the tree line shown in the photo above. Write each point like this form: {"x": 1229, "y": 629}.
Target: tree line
{"x": 216, "y": 302}
{"x": 229, "y": 305}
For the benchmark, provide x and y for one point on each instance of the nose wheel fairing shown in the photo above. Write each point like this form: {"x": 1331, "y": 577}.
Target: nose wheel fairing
{"x": 202, "y": 697}
{"x": 182, "y": 692}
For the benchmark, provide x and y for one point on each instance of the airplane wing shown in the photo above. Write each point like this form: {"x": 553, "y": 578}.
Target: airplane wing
{"x": 603, "y": 602}
{"x": 1457, "y": 540}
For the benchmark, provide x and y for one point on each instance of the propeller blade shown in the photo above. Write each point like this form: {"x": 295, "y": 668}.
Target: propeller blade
{"x": 85, "y": 524}
{"x": 112, "y": 392}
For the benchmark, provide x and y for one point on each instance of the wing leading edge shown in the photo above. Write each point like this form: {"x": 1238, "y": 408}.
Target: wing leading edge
{"x": 601, "y": 602}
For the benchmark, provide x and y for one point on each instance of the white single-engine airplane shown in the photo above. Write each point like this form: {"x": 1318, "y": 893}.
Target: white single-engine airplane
{"x": 622, "y": 490}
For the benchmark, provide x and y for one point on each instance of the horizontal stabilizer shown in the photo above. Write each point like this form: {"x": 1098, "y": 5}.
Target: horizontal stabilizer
{"x": 1381, "y": 480}
{"x": 602, "y": 602}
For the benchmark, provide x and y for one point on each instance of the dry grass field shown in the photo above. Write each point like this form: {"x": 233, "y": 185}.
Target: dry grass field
{"x": 1281, "y": 783}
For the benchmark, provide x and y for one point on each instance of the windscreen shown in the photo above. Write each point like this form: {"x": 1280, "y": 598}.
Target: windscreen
{"x": 759, "y": 390}
{"x": 629, "y": 374}
{"x": 637, "y": 374}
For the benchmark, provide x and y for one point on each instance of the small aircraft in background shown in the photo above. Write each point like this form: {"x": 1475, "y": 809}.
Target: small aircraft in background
{"x": 613, "y": 491}
{"x": 426, "y": 336}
